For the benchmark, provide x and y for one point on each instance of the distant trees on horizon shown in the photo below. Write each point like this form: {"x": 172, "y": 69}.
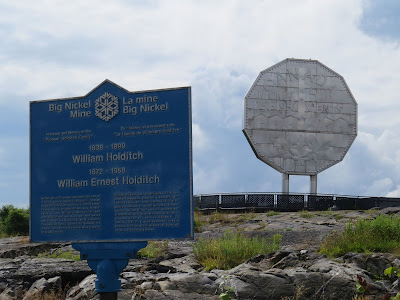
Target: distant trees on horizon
{"x": 13, "y": 221}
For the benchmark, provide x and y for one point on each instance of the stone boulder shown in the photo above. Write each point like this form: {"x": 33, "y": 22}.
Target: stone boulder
{"x": 41, "y": 286}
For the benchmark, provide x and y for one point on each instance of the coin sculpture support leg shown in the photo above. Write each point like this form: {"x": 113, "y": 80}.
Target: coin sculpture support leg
{"x": 285, "y": 183}
{"x": 313, "y": 184}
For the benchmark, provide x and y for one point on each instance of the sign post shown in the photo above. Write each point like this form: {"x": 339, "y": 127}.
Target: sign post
{"x": 110, "y": 171}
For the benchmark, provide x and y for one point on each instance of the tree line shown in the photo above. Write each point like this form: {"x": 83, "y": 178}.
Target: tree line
{"x": 13, "y": 221}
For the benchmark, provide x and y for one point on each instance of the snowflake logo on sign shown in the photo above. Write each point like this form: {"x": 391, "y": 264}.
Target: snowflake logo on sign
{"x": 106, "y": 107}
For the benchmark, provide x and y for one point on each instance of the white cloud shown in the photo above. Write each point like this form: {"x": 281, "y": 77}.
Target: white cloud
{"x": 200, "y": 140}
{"x": 64, "y": 49}
{"x": 385, "y": 147}
{"x": 218, "y": 93}
{"x": 379, "y": 187}
{"x": 395, "y": 193}
{"x": 207, "y": 181}
{"x": 14, "y": 177}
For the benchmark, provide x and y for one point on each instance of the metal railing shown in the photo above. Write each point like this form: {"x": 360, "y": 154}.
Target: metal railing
{"x": 289, "y": 202}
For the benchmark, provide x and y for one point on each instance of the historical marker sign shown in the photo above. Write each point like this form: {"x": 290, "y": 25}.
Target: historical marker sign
{"x": 112, "y": 165}
{"x": 300, "y": 117}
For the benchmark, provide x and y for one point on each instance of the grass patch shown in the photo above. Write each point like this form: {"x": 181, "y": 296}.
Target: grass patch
{"x": 23, "y": 240}
{"x": 198, "y": 221}
{"x": 217, "y": 217}
{"x": 306, "y": 214}
{"x": 56, "y": 294}
{"x": 247, "y": 216}
{"x": 325, "y": 213}
{"x": 153, "y": 249}
{"x": 201, "y": 219}
{"x": 338, "y": 216}
{"x": 272, "y": 213}
{"x": 381, "y": 234}
{"x": 61, "y": 255}
{"x": 331, "y": 214}
{"x": 232, "y": 249}
{"x": 372, "y": 211}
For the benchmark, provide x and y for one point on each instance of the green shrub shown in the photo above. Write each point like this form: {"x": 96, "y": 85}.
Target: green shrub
{"x": 4, "y": 211}
{"x": 61, "y": 255}
{"x": 226, "y": 290}
{"x": 14, "y": 221}
{"x": 153, "y": 249}
{"x": 232, "y": 249}
{"x": 381, "y": 234}
{"x": 392, "y": 273}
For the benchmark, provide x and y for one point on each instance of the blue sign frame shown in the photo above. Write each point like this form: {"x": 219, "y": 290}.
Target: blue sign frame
{"x": 112, "y": 166}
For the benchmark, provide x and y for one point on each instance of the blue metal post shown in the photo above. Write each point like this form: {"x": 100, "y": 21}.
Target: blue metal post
{"x": 107, "y": 260}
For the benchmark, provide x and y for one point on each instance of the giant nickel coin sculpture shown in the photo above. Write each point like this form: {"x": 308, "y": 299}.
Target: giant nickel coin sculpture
{"x": 300, "y": 118}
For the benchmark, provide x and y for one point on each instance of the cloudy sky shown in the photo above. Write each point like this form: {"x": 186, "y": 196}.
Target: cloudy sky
{"x": 56, "y": 49}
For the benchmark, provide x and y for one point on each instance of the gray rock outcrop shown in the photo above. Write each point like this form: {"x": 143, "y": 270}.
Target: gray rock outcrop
{"x": 296, "y": 271}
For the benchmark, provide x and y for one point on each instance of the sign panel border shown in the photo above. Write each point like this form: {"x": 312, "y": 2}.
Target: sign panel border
{"x": 190, "y": 155}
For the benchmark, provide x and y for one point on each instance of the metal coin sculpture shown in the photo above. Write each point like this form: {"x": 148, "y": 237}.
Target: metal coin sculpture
{"x": 300, "y": 117}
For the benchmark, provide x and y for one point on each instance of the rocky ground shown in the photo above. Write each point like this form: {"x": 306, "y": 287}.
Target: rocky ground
{"x": 296, "y": 271}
